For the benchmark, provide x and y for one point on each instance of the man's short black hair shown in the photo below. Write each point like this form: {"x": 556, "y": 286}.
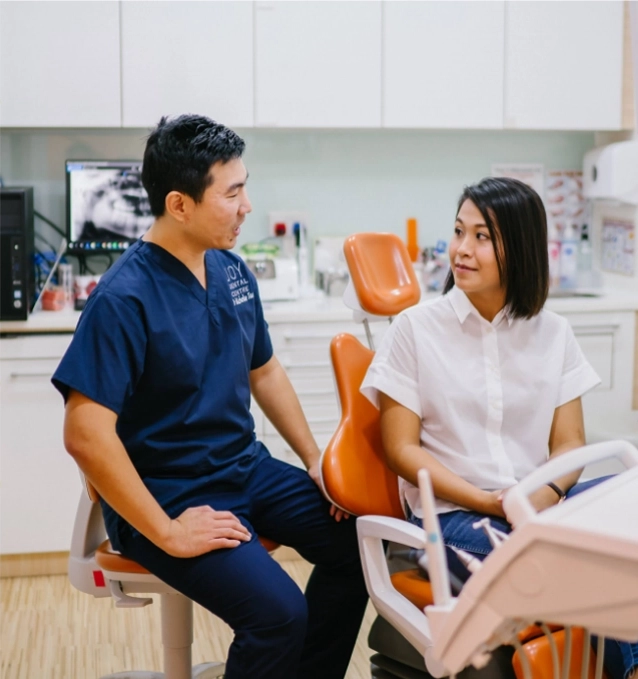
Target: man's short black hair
{"x": 179, "y": 154}
{"x": 515, "y": 217}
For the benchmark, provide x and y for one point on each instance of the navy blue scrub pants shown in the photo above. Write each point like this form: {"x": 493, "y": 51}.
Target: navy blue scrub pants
{"x": 280, "y": 633}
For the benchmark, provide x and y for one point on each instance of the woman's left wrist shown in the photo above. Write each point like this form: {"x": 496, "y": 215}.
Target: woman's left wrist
{"x": 559, "y": 493}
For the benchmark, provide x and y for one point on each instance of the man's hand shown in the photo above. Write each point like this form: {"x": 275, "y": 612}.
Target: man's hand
{"x": 199, "y": 530}
{"x": 313, "y": 473}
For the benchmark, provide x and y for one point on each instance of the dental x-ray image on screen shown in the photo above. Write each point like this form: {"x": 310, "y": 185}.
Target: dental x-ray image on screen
{"x": 106, "y": 203}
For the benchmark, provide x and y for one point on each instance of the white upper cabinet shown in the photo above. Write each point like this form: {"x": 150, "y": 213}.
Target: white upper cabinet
{"x": 318, "y": 64}
{"x": 59, "y": 64}
{"x": 563, "y": 65}
{"x": 443, "y": 64}
{"x": 187, "y": 57}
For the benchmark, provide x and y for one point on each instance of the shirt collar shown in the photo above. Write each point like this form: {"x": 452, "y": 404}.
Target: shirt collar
{"x": 463, "y": 308}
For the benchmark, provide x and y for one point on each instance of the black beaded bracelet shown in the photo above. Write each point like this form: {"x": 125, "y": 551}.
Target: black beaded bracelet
{"x": 561, "y": 493}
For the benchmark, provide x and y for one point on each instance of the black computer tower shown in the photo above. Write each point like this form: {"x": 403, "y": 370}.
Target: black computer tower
{"x": 17, "y": 270}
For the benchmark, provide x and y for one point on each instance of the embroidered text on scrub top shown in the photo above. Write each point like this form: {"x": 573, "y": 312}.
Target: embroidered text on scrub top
{"x": 239, "y": 287}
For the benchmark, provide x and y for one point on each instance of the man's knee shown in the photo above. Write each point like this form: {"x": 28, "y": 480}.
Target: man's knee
{"x": 281, "y": 614}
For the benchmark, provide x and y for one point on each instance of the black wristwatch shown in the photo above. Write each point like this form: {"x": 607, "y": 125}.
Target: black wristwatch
{"x": 562, "y": 495}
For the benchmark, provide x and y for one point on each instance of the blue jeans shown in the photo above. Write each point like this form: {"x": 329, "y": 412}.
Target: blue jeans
{"x": 456, "y": 528}
{"x": 279, "y": 631}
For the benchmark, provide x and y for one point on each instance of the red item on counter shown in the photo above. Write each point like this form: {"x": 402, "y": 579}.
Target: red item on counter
{"x": 53, "y": 299}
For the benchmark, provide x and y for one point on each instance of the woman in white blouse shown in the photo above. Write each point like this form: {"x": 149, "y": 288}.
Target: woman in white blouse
{"x": 481, "y": 385}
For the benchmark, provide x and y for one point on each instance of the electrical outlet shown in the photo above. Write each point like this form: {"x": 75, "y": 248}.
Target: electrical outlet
{"x": 287, "y": 219}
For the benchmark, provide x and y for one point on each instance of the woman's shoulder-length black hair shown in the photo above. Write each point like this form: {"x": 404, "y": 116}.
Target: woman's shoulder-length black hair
{"x": 516, "y": 220}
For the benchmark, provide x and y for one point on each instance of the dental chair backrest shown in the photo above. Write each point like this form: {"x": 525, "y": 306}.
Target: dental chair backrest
{"x": 384, "y": 284}
{"x": 381, "y": 273}
{"x": 382, "y": 279}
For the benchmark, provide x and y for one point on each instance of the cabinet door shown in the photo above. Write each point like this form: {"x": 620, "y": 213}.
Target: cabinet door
{"x": 443, "y": 64}
{"x": 187, "y": 57}
{"x": 60, "y": 64}
{"x": 607, "y": 340}
{"x": 40, "y": 482}
{"x": 317, "y": 64}
{"x": 563, "y": 65}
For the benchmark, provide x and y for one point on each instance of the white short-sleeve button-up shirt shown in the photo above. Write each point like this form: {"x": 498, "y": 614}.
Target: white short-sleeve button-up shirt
{"x": 485, "y": 392}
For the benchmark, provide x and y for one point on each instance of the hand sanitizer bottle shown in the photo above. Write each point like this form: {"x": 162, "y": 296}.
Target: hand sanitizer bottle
{"x": 569, "y": 257}
{"x": 553, "y": 253}
{"x": 585, "y": 274}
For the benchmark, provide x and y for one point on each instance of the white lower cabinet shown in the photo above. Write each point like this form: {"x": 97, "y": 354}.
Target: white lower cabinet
{"x": 606, "y": 338}
{"x": 40, "y": 482}
{"x": 303, "y": 348}
{"x": 608, "y": 341}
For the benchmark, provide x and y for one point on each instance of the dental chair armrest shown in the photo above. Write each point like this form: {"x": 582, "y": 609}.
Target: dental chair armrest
{"x": 388, "y": 528}
{"x": 516, "y": 504}
{"x": 403, "y": 615}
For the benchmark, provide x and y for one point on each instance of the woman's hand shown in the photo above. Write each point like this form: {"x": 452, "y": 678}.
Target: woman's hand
{"x": 199, "y": 530}
{"x": 315, "y": 475}
{"x": 493, "y": 503}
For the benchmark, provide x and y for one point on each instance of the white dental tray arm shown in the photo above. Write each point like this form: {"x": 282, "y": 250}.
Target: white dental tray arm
{"x": 574, "y": 564}
{"x": 516, "y": 501}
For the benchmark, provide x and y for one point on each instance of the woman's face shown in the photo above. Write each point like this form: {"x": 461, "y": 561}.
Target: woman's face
{"x": 472, "y": 255}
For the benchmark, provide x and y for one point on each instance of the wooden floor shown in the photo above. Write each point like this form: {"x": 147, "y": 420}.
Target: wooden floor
{"x": 51, "y": 631}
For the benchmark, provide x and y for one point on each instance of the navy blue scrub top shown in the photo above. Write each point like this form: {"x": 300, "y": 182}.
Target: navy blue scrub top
{"x": 172, "y": 360}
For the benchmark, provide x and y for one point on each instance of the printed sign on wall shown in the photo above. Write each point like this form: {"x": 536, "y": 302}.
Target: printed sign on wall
{"x": 618, "y": 245}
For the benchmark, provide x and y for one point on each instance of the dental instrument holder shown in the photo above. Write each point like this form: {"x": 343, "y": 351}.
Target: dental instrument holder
{"x": 546, "y": 568}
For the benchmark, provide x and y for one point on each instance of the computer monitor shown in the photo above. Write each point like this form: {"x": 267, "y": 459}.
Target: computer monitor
{"x": 107, "y": 206}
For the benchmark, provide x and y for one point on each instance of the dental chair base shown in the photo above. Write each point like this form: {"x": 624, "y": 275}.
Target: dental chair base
{"x": 397, "y": 659}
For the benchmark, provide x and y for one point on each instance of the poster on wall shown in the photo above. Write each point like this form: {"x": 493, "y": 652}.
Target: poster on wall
{"x": 564, "y": 199}
{"x": 532, "y": 174}
{"x": 618, "y": 246}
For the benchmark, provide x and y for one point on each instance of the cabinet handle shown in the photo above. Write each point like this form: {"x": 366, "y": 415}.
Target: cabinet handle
{"x": 595, "y": 329}
{"x": 289, "y": 336}
{"x": 316, "y": 392}
{"x": 322, "y": 420}
{"x": 288, "y": 364}
{"x": 15, "y": 376}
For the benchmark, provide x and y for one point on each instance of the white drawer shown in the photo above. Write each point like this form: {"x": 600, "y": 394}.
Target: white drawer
{"x": 34, "y": 346}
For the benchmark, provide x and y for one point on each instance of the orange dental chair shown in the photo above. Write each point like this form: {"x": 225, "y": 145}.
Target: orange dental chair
{"x": 356, "y": 479}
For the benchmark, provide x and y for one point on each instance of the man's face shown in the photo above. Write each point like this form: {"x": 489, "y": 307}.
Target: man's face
{"x": 216, "y": 220}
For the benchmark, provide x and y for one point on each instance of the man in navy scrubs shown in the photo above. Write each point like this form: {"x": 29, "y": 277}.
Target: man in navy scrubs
{"x": 157, "y": 383}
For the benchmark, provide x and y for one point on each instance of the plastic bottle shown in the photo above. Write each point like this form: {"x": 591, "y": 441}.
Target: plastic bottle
{"x": 412, "y": 239}
{"x": 65, "y": 279}
{"x": 437, "y": 268}
{"x": 585, "y": 260}
{"x": 553, "y": 252}
{"x": 569, "y": 257}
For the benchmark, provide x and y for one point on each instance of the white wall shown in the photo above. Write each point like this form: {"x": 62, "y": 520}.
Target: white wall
{"x": 346, "y": 181}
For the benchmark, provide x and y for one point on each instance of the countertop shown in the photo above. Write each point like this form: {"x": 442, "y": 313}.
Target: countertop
{"x": 323, "y": 308}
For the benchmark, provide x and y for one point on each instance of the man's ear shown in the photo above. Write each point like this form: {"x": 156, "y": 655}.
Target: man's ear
{"x": 178, "y": 205}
